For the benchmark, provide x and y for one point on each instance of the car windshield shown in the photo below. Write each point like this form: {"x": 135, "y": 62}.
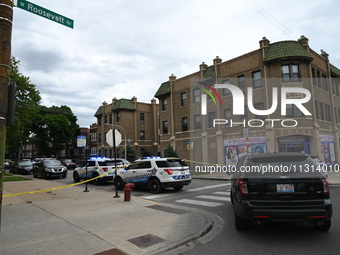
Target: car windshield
{"x": 24, "y": 163}
{"x": 52, "y": 163}
{"x": 110, "y": 163}
{"x": 68, "y": 161}
{"x": 171, "y": 163}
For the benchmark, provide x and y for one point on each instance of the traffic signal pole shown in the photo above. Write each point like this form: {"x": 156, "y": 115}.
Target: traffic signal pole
{"x": 6, "y": 17}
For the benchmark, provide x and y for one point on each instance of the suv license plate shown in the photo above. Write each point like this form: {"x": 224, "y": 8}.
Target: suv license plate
{"x": 285, "y": 187}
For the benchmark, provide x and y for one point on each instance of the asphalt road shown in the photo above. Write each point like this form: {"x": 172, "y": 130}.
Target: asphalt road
{"x": 273, "y": 238}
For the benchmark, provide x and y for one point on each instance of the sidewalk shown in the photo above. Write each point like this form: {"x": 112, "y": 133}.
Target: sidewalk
{"x": 70, "y": 221}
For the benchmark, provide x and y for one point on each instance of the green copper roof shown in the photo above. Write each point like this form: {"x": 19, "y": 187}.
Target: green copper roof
{"x": 286, "y": 49}
{"x": 210, "y": 72}
{"x": 99, "y": 112}
{"x": 124, "y": 104}
{"x": 335, "y": 70}
{"x": 163, "y": 90}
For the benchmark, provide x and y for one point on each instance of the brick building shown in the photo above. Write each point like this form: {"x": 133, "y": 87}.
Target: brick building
{"x": 136, "y": 121}
{"x": 280, "y": 65}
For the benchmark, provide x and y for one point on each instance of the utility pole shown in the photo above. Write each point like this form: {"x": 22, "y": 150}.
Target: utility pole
{"x": 6, "y": 17}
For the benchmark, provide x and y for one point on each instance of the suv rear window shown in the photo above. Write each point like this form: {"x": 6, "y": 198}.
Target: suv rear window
{"x": 171, "y": 163}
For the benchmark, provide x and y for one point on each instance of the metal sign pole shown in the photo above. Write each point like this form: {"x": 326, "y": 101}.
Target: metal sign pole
{"x": 115, "y": 157}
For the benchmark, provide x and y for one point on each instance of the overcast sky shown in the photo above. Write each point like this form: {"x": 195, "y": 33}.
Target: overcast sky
{"x": 128, "y": 48}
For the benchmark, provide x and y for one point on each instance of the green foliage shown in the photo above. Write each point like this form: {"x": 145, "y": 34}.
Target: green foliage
{"x": 169, "y": 152}
{"x": 52, "y": 128}
{"x": 49, "y": 128}
{"x": 130, "y": 154}
{"x": 26, "y": 109}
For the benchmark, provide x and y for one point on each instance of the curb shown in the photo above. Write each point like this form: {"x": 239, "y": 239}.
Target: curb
{"x": 212, "y": 227}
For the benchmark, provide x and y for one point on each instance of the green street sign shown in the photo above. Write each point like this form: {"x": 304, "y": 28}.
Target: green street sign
{"x": 38, "y": 10}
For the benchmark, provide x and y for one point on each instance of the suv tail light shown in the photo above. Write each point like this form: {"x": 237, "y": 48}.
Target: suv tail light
{"x": 325, "y": 186}
{"x": 169, "y": 171}
{"x": 243, "y": 186}
{"x": 104, "y": 169}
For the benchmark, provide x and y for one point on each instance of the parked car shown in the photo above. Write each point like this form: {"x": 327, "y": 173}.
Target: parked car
{"x": 48, "y": 168}
{"x": 69, "y": 164}
{"x": 22, "y": 167}
{"x": 155, "y": 173}
{"x": 98, "y": 166}
{"x": 280, "y": 187}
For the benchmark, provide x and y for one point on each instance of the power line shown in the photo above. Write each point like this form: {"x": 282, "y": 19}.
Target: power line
{"x": 279, "y": 27}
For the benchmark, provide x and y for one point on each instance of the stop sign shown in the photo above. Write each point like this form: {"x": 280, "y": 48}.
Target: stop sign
{"x": 247, "y": 142}
{"x": 109, "y": 137}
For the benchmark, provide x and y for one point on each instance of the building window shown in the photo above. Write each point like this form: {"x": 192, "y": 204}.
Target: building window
{"x": 322, "y": 116}
{"x": 142, "y": 135}
{"x": 324, "y": 82}
{"x": 257, "y": 79}
{"x": 259, "y": 106}
{"x": 117, "y": 116}
{"x": 245, "y": 115}
{"x": 183, "y": 99}
{"x": 290, "y": 73}
{"x": 99, "y": 138}
{"x": 328, "y": 112}
{"x": 164, "y": 104}
{"x": 198, "y": 121}
{"x": 165, "y": 127}
{"x": 227, "y": 114}
{"x": 111, "y": 118}
{"x": 293, "y": 111}
{"x": 141, "y": 117}
{"x": 185, "y": 124}
{"x": 142, "y": 152}
{"x": 225, "y": 91}
{"x": 196, "y": 96}
{"x": 211, "y": 118}
{"x": 317, "y": 110}
{"x": 241, "y": 81}
{"x": 105, "y": 119}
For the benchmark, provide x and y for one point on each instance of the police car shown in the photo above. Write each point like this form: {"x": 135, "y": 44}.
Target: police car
{"x": 98, "y": 166}
{"x": 155, "y": 173}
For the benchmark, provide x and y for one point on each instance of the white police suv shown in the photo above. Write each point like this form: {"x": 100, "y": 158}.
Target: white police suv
{"x": 155, "y": 173}
{"x": 98, "y": 166}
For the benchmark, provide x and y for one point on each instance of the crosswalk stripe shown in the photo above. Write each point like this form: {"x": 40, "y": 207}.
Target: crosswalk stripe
{"x": 188, "y": 190}
{"x": 225, "y": 193}
{"x": 209, "y": 187}
{"x": 197, "y": 202}
{"x": 214, "y": 197}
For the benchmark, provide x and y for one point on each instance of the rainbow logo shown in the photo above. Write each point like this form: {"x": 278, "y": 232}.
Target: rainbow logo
{"x": 206, "y": 90}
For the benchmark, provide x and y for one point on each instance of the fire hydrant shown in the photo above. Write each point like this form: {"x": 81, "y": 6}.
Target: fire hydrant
{"x": 127, "y": 191}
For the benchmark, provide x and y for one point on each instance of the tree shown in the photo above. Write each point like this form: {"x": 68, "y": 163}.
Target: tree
{"x": 169, "y": 152}
{"x": 53, "y": 127}
{"x": 130, "y": 154}
{"x": 26, "y": 108}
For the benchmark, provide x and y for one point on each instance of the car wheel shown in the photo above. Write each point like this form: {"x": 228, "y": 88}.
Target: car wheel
{"x": 178, "y": 188}
{"x": 155, "y": 186}
{"x": 96, "y": 181}
{"x": 118, "y": 182}
{"x": 76, "y": 177}
{"x": 240, "y": 224}
{"x": 326, "y": 226}
{"x": 45, "y": 176}
{"x": 35, "y": 175}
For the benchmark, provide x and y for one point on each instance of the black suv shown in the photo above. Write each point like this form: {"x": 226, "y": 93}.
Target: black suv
{"x": 280, "y": 187}
{"x": 48, "y": 168}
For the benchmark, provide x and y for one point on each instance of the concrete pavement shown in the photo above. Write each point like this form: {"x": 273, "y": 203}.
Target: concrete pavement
{"x": 70, "y": 221}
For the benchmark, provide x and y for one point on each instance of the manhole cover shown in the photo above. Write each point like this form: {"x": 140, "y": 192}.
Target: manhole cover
{"x": 146, "y": 240}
